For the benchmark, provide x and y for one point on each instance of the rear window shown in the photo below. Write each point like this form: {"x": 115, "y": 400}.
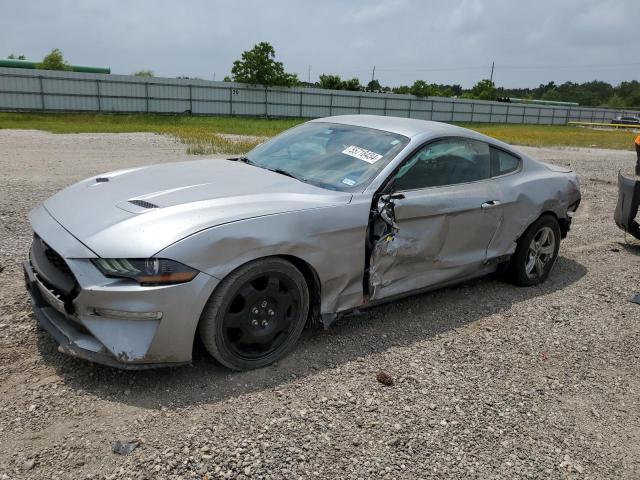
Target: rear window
{"x": 504, "y": 162}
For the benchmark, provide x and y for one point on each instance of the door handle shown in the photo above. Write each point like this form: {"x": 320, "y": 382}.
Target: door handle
{"x": 491, "y": 203}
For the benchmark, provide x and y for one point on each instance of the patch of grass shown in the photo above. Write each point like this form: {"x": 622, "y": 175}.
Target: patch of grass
{"x": 203, "y": 143}
{"x": 556, "y": 135}
{"x": 206, "y": 135}
{"x": 202, "y": 135}
{"x": 111, "y": 123}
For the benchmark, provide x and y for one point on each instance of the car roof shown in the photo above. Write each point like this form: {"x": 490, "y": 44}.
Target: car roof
{"x": 409, "y": 127}
{"x": 421, "y": 130}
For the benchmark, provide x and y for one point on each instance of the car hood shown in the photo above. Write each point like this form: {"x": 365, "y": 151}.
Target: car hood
{"x": 172, "y": 201}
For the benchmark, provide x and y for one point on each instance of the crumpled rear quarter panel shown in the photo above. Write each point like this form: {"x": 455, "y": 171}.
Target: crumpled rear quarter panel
{"x": 526, "y": 196}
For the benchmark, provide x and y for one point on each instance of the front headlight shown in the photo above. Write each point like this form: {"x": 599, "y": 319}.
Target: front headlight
{"x": 149, "y": 271}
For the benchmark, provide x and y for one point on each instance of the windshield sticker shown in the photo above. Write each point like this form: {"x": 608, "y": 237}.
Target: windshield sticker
{"x": 395, "y": 142}
{"x": 362, "y": 154}
{"x": 348, "y": 181}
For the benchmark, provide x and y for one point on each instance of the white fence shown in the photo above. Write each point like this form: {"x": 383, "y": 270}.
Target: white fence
{"x": 53, "y": 91}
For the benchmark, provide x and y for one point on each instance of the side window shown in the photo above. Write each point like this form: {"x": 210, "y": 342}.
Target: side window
{"x": 445, "y": 162}
{"x": 504, "y": 162}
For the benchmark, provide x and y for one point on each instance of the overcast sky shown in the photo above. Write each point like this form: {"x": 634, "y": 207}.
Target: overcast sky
{"x": 442, "y": 41}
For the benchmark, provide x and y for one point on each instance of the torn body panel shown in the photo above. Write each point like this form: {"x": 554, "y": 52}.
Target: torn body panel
{"x": 444, "y": 233}
{"x": 527, "y": 195}
{"x": 441, "y": 233}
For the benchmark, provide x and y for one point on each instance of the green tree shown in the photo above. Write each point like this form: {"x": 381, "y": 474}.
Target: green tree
{"x": 616, "y": 101}
{"x": 143, "y": 73}
{"x": 330, "y": 82}
{"x": 484, "y": 90}
{"x": 352, "y": 85}
{"x": 258, "y": 67}
{"x": 226, "y": 79}
{"x": 54, "y": 61}
{"x": 403, "y": 89}
{"x": 374, "y": 85}
{"x": 629, "y": 92}
{"x": 18, "y": 57}
{"x": 420, "y": 88}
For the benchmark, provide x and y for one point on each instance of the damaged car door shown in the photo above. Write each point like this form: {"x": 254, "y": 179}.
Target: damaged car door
{"x": 436, "y": 220}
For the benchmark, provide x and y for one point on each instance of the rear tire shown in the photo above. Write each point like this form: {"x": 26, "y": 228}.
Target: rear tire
{"x": 536, "y": 252}
{"x": 256, "y": 314}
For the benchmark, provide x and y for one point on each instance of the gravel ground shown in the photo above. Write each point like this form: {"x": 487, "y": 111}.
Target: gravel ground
{"x": 490, "y": 381}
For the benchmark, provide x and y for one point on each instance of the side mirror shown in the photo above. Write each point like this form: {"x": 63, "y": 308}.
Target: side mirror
{"x": 388, "y": 200}
{"x": 386, "y": 209}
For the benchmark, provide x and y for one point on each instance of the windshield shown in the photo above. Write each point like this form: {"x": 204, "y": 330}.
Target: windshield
{"x": 334, "y": 156}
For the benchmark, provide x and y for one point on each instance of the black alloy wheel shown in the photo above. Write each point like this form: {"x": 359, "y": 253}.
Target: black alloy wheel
{"x": 256, "y": 314}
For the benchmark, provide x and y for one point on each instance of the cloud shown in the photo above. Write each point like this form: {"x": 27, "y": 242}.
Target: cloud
{"x": 442, "y": 41}
{"x": 368, "y": 11}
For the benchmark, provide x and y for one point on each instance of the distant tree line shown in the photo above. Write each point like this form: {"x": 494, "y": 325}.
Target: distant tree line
{"x": 258, "y": 67}
{"x": 594, "y": 94}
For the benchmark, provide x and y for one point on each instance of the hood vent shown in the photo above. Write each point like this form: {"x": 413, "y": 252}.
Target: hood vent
{"x": 143, "y": 204}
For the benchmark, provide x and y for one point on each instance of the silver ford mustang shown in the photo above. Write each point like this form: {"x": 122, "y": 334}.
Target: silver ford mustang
{"x": 334, "y": 215}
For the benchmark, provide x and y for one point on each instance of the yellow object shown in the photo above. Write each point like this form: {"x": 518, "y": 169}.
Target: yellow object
{"x": 638, "y": 140}
{"x": 600, "y": 124}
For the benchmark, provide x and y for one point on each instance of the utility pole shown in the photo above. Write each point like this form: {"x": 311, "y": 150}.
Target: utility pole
{"x": 373, "y": 74}
{"x": 309, "y": 74}
{"x": 493, "y": 64}
{"x": 214, "y": 76}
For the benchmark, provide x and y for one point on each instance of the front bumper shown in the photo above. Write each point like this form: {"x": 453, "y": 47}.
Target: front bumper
{"x": 72, "y": 341}
{"x": 112, "y": 340}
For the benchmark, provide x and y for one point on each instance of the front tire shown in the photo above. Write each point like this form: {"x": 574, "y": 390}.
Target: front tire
{"x": 256, "y": 314}
{"x": 536, "y": 252}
